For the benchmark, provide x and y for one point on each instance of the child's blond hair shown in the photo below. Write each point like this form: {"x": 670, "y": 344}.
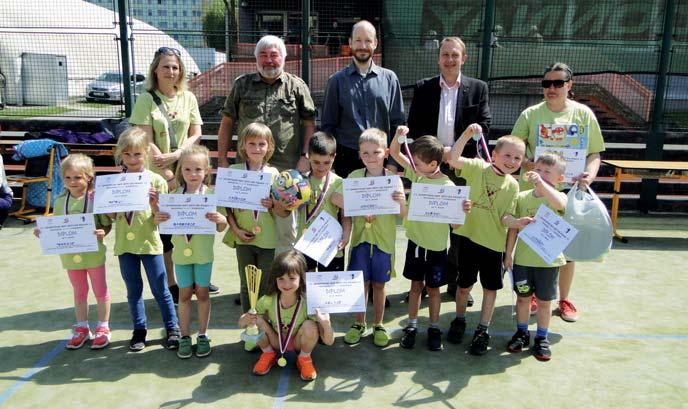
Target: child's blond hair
{"x": 256, "y": 130}
{"x": 510, "y": 140}
{"x": 374, "y": 135}
{"x": 80, "y": 163}
{"x": 133, "y": 138}
{"x": 193, "y": 150}
{"x": 553, "y": 159}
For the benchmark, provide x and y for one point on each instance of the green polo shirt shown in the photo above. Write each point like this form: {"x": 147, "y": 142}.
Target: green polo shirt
{"x": 267, "y": 238}
{"x": 281, "y": 105}
{"x": 200, "y": 245}
{"x": 527, "y": 205}
{"x": 80, "y": 261}
{"x": 493, "y": 196}
{"x": 183, "y": 110}
{"x": 141, "y": 236}
{"x": 430, "y": 236}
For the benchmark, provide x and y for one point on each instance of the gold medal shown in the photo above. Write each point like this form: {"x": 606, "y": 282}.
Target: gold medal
{"x": 131, "y": 236}
{"x": 77, "y": 258}
{"x": 188, "y": 252}
{"x": 368, "y": 225}
{"x": 282, "y": 362}
{"x": 257, "y": 230}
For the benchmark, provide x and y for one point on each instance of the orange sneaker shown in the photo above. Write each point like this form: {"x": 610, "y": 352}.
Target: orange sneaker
{"x": 79, "y": 338}
{"x": 305, "y": 365}
{"x": 266, "y": 361}
{"x": 102, "y": 338}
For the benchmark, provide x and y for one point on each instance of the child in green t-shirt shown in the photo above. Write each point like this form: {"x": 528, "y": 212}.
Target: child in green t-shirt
{"x": 531, "y": 274}
{"x": 373, "y": 237}
{"x": 193, "y": 254}
{"x": 482, "y": 237}
{"x": 322, "y": 149}
{"x": 426, "y": 253}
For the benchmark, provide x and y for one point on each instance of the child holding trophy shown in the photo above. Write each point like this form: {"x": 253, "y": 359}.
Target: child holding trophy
{"x": 281, "y": 318}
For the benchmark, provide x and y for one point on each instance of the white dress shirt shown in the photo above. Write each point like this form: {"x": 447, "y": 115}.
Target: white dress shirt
{"x": 447, "y": 116}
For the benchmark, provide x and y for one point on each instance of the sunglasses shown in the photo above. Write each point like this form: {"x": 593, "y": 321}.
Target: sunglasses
{"x": 556, "y": 83}
{"x": 168, "y": 50}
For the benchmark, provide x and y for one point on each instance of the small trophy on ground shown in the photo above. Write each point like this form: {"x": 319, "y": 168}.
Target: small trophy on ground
{"x": 253, "y": 276}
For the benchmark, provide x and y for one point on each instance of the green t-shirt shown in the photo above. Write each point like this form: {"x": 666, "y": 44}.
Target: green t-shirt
{"x": 267, "y": 238}
{"x": 382, "y": 231}
{"x": 431, "y": 236}
{"x": 141, "y": 236}
{"x": 317, "y": 186}
{"x": 576, "y": 127}
{"x": 182, "y": 109}
{"x": 80, "y": 261}
{"x": 266, "y": 305}
{"x": 493, "y": 196}
{"x": 200, "y": 245}
{"x": 527, "y": 205}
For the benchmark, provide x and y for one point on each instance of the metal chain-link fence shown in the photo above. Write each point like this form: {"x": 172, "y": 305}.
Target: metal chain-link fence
{"x": 65, "y": 58}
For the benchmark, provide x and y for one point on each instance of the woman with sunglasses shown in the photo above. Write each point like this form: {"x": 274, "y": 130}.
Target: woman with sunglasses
{"x": 559, "y": 121}
{"x": 175, "y": 106}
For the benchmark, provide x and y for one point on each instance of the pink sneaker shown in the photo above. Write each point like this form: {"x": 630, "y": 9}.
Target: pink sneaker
{"x": 79, "y": 338}
{"x": 533, "y": 305}
{"x": 568, "y": 311}
{"x": 102, "y": 338}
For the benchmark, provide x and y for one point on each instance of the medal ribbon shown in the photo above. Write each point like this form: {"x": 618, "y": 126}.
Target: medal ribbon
{"x": 283, "y": 344}
{"x": 319, "y": 202}
{"x": 129, "y": 216}
{"x": 484, "y": 153}
{"x": 86, "y": 200}
{"x": 200, "y": 192}
{"x": 256, "y": 213}
{"x": 410, "y": 158}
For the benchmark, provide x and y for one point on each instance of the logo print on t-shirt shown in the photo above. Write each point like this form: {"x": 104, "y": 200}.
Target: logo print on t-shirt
{"x": 487, "y": 196}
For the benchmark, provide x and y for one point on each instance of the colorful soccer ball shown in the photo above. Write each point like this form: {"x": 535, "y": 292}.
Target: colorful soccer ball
{"x": 292, "y": 187}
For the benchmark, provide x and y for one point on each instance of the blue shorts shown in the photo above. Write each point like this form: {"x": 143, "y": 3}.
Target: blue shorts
{"x": 375, "y": 263}
{"x": 425, "y": 265}
{"x": 188, "y": 274}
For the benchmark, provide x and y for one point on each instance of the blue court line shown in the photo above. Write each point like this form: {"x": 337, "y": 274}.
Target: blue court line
{"x": 37, "y": 367}
{"x": 283, "y": 384}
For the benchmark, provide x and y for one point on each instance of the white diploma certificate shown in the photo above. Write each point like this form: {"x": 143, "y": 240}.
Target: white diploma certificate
{"x": 320, "y": 240}
{"x": 242, "y": 189}
{"x": 122, "y": 192}
{"x": 549, "y": 235}
{"x": 575, "y": 160}
{"x": 187, "y": 214}
{"x": 70, "y": 233}
{"x": 437, "y": 204}
{"x": 335, "y": 292}
{"x": 370, "y": 196}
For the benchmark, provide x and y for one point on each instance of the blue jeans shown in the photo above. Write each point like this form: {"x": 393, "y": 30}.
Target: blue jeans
{"x": 130, "y": 266}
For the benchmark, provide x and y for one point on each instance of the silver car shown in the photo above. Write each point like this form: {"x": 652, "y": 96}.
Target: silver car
{"x": 108, "y": 87}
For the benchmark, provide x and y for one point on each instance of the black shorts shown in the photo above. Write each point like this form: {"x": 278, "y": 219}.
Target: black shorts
{"x": 337, "y": 264}
{"x": 425, "y": 265}
{"x": 166, "y": 242}
{"x": 451, "y": 271}
{"x": 478, "y": 259}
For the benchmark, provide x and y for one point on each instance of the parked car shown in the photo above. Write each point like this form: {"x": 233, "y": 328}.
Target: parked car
{"x": 108, "y": 87}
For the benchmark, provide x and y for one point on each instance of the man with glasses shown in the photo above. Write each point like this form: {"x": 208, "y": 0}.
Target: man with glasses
{"x": 283, "y": 102}
{"x": 444, "y": 106}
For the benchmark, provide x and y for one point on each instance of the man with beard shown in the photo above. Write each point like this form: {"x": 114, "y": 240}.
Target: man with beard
{"x": 281, "y": 101}
{"x": 361, "y": 96}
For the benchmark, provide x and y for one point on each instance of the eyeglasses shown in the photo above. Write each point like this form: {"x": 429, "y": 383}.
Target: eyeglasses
{"x": 168, "y": 50}
{"x": 556, "y": 83}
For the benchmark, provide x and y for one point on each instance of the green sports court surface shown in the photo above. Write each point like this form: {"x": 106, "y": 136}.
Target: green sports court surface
{"x": 627, "y": 350}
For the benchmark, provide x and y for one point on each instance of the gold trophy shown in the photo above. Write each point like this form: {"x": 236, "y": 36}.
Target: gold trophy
{"x": 253, "y": 276}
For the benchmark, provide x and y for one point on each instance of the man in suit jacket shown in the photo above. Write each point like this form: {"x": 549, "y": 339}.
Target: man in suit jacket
{"x": 445, "y": 105}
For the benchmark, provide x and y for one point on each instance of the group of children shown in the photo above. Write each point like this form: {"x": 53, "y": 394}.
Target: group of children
{"x": 495, "y": 212}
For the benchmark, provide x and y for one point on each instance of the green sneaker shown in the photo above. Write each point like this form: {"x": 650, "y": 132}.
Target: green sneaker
{"x": 185, "y": 350}
{"x": 202, "y": 346}
{"x": 250, "y": 346}
{"x": 354, "y": 334}
{"x": 380, "y": 337}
